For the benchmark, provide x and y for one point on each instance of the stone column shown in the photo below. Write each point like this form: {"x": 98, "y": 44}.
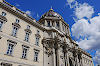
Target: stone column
{"x": 67, "y": 60}
{"x": 60, "y": 24}
{"x": 54, "y": 57}
{"x": 45, "y": 23}
{"x": 55, "y": 24}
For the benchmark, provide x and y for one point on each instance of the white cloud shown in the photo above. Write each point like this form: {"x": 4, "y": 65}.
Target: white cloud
{"x": 28, "y": 12}
{"x": 97, "y": 57}
{"x": 89, "y": 32}
{"x": 84, "y": 10}
{"x": 86, "y": 27}
{"x": 79, "y": 28}
{"x": 17, "y": 5}
{"x": 72, "y": 3}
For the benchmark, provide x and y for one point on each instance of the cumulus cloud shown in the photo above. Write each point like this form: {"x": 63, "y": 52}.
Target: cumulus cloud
{"x": 88, "y": 32}
{"x": 72, "y": 3}
{"x": 97, "y": 57}
{"x": 84, "y": 10}
{"x": 86, "y": 28}
{"x": 28, "y": 12}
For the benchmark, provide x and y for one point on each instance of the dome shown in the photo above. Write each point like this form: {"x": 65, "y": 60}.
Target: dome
{"x": 51, "y": 13}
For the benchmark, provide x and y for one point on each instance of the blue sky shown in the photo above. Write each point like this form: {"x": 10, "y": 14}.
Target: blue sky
{"x": 36, "y": 8}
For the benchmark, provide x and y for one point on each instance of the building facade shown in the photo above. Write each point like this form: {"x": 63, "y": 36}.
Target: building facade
{"x": 47, "y": 42}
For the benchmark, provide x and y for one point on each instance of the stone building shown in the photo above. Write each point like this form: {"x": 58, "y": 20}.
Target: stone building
{"x": 47, "y": 42}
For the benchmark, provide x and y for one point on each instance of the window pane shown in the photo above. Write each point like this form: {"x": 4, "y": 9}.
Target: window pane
{"x": 36, "y": 56}
{"x": 24, "y": 54}
{"x": 10, "y": 49}
{"x": 48, "y": 22}
{"x": 28, "y": 27}
{"x": 37, "y": 41}
{"x": 1, "y": 25}
{"x": 14, "y": 31}
{"x": 27, "y": 37}
{"x": 3, "y": 14}
{"x": 17, "y": 21}
{"x": 38, "y": 31}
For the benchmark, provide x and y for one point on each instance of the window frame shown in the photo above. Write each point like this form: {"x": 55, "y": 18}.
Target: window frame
{"x": 10, "y": 52}
{"x": 1, "y": 24}
{"x": 37, "y": 41}
{"x": 27, "y": 36}
{"x": 14, "y": 31}
{"x": 24, "y": 53}
{"x": 3, "y": 13}
{"x": 36, "y": 57}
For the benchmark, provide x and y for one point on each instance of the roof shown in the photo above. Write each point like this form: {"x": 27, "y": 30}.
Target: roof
{"x": 51, "y": 13}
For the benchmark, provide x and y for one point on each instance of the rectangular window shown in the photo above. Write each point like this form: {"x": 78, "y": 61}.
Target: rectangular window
{"x": 27, "y": 37}
{"x": 3, "y": 14}
{"x": 5, "y": 64}
{"x": 36, "y": 55}
{"x": 17, "y": 21}
{"x": 1, "y": 23}
{"x": 57, "y": 24}
{"x": 14, "y": 31}
{"x": 28, "y": 27}
{"x": 10, "y": 49}
{"x": 24, "y": 54}
{"x": 37, "y": 41}
{"x": 38, "y": 31}
{"x": 48, "y": 23}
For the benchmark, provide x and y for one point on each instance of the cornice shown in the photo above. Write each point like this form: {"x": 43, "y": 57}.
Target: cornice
{"x": 84, "y": 52}
{"x": 48, "y": 18}
{"x": 12, "y": 9}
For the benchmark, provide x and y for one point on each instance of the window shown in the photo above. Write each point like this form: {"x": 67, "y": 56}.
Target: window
{"x": 36, "y": 52}
{"x": 37, "y": 41}
{"x": 24, "y": 54}
{"x": 27, "y": 37}
{"x": 3, "y": 14}
{"x": 48, "y": 22}
{"x": 14, "y": 32}
{"x": 57, "y": 23}
{"x": 10, "y": 49}
{"x": 64, "y": 27}
{"x": 17, "y": 21}
{"x": 38, "y": 31}
{"x": 28, "y": 27}
{"x": 5, "y": 64}
{"x": 1, "y": 23}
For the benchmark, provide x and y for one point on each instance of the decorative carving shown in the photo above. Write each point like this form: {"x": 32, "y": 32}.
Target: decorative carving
{"x": 28, "y": 30}
{"x": 49, "y": 51}
{"x": 2, "y": 18}
{"x": 74, "y": 53}
{"x": 47, "y": 43}
{"x": 16, "y": 24}
{"x": 38, "y": 35}
{"x": 79, "y": 55}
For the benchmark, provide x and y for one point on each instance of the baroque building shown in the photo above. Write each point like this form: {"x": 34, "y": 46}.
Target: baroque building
{"x": 47, "y": 42}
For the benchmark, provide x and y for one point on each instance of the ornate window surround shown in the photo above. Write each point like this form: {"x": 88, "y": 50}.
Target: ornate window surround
{"x": 27, "y": 48}
{"x": 13, "y": 43}
{"x": 17, "y": 26}
{"x": 37, "y": 51}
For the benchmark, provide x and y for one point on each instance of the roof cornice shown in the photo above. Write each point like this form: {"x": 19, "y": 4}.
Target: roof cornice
{"x": 12, "y": 9}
